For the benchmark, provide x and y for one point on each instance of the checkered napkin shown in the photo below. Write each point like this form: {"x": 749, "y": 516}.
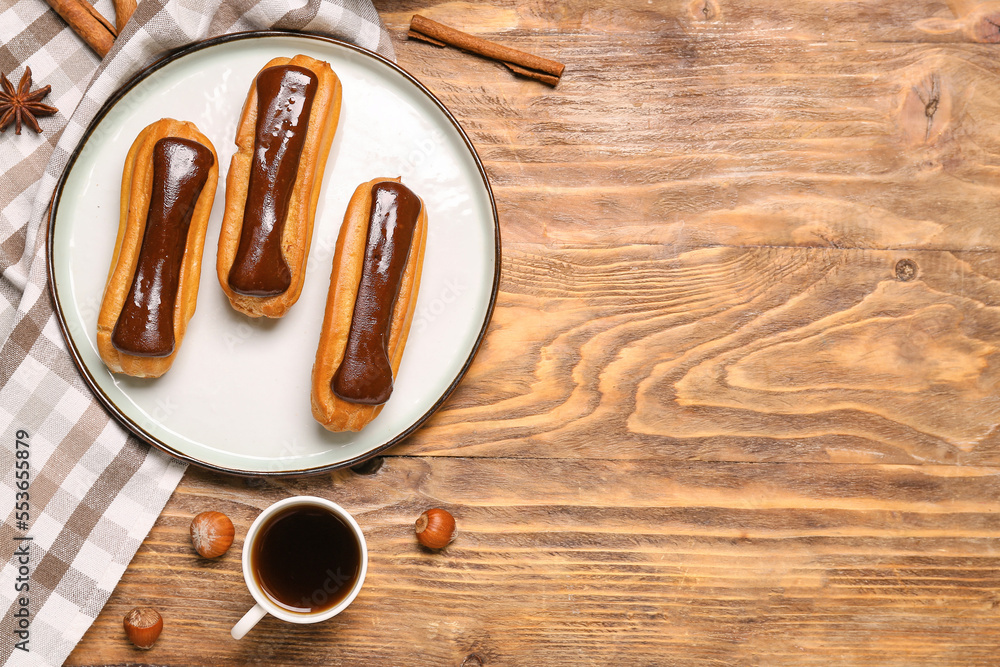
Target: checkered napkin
{"x": 92, "y": 491}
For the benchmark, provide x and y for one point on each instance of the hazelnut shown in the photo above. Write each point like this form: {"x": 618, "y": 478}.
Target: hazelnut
{"x": 435, "y": 528}
{"x": 212, "y": 534}
{"x": 143, "y": 625}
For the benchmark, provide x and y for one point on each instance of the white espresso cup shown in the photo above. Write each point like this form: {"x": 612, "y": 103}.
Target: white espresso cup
{"x": 313, "y": 607}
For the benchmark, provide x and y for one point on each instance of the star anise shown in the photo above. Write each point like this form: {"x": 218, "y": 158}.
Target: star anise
{"x": 22, "y": 104}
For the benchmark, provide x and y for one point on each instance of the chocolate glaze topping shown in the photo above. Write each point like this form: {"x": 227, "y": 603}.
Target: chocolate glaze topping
{"x": 145, "y": 326}
{"x": 284, "y": 100}
{"x": 365, "y": 374}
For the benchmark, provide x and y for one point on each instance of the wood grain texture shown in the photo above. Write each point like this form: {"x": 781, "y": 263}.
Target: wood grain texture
{"x": 728, "y": 142}
{"x": 745, "y": 354}
{"x": 596, "y": 562}
{"x": 738, "y": 401}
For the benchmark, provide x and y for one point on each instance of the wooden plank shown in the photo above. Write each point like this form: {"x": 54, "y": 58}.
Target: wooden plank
{"x": 772, "y": 145}
{"x": 753, "y": 354}
{"x": 736, "y": 141}
{"x": 596, "y": 562}
{"x": 737, "y": 405}
{"x": 932, "y": 21}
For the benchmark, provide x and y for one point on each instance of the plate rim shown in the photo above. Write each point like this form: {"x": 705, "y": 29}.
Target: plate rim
{"x": 53, "y": 289}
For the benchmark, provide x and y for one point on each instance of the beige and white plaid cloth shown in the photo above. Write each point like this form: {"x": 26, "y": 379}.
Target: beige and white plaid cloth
{"x": 91, "y": 491}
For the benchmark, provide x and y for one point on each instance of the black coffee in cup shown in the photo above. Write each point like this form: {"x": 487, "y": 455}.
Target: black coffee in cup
{"x": 306, "y": 559}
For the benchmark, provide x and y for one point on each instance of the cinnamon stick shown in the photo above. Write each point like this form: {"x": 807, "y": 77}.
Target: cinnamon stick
{"x": 424, "y": 38}
{"x": 123, "y": 12}
{"x": 519, "y": 62}
{"x": 87, "y": 22}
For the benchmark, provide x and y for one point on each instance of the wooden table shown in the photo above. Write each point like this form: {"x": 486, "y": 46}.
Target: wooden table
{"x": 738, "y": 402}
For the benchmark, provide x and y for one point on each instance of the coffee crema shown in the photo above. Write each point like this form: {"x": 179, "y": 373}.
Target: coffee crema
{"x": 306, "y": 559}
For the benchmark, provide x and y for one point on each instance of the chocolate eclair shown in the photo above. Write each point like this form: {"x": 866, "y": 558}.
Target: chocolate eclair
{"x": 287, "y": 126}
{"x": 168, "y": 187}
{"x": 373, "y": 290}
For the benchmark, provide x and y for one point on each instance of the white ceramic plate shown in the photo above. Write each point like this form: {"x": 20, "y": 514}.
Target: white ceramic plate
{"x": 237, "y": 396}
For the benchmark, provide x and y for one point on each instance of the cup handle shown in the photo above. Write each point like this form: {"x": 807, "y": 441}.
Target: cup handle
{"x": 250, "y": 619}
